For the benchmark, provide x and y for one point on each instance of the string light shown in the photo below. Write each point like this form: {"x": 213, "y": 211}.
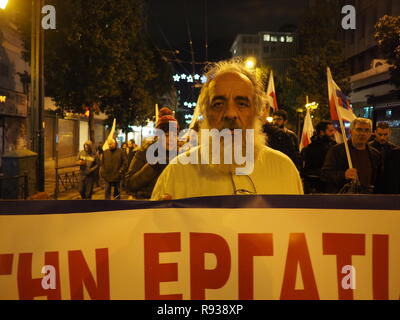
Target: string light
{"x": 189, "y": 104}
{"x": 189, "y": 78}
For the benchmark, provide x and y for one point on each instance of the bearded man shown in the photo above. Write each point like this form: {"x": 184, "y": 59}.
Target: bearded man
{"x": 231, "y": 103}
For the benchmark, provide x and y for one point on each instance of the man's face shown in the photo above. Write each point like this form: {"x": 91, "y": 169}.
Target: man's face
{"x": 112, "y": 145}
{"x": 330, "y": 131}
{"x": 382, "y": 135}
{"x": 278, "y": 121}
{"x": 130, "y": 144}
{"x": 86, "y": 147}
{"x": 170, "y": 141}
{"x": 360, "y": 134}
{"x": 231, "y": 105}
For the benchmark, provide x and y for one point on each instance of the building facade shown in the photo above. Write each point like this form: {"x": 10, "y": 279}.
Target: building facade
{"x": 373, "y": 96}
{"x": 271, "y": 49}
{"x": 15, "y": 117}
{"x": 14, "y": 128}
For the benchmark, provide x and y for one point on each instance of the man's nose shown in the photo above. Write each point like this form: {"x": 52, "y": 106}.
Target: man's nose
{"x": 230, "y": 111}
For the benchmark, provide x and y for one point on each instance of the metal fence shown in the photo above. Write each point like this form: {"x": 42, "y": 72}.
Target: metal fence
{"x": 66, "y": 179}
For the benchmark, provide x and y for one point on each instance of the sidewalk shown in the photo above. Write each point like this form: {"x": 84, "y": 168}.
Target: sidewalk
{"x": 72, "y": 194}
{"x": 98, "y": 194}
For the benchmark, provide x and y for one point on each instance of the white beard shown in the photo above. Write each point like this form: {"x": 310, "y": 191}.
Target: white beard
{"x": 256, "y": 143}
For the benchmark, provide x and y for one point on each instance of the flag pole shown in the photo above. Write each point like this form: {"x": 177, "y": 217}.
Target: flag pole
{"x": 156, "y": 113}
{"x": 110, "y": 135}
{"x": 346, "y": 145}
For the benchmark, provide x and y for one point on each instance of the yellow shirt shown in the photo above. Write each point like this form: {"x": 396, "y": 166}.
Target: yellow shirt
{"x": 274, "y": 173}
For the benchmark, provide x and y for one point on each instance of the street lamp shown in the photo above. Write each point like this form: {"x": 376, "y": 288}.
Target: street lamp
{"x": 250, "y": 63}
{"x": 37, "y": 89}
{"x": 3, "y": 4}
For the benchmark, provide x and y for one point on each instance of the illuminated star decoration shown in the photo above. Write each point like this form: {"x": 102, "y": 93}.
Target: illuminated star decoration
{"x": 177, "y": 78}
{"x": 183, "y": 76}
{"x": 189, "y": 104}
{"x": 189, "y": 78}
{"x": 196, "y": 77}
{"x": 203, "y": 79}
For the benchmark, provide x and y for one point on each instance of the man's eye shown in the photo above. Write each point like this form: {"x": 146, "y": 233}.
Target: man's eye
{"x": 243, "y": 104}
{"x": 217, "y": 105}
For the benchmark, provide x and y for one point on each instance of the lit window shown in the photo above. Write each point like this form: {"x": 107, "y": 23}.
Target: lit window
{"x": 282, "y": 39}
{"x": 274, "y": 39}
{"x": 267, "y": 37}
{"x": 289, "y": 39}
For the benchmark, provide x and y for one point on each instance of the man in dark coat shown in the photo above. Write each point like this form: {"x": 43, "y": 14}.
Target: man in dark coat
{"x": 88, "y": 162}
{"x": 113, "y": 166}
{"x": 132, "y": 148}
{"x": 283, "y": 140}
{"x": 391, "y": 179}
{"x": 382, "y": 144}
{"x": 365, "y": 159}
{"x": 142, "y": 176}
{"x": 313, "y": 157}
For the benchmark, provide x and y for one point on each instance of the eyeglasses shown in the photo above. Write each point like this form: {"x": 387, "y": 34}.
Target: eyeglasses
{"x": 243, "y": 191}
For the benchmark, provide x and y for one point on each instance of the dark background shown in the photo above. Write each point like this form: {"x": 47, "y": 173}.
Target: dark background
{"x": 169, "y": 20}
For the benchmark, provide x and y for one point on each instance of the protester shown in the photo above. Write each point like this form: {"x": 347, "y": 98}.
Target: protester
{"x": 391, "y": 180}
{"x": 313, "y": 157}
{"x": 280, "y": 138}
{"x": 381, "y": 141}
{"x": 113, "y": 166}
{"x": 389, "y": 157}
{"x": 88, "y": 161}
{"x": 366, "y": 161}
{"x": 231, "y": 99}
{"x": 131, "y": 150}
{"x": 190, "y": 138}
{"x": 280, "y": 118}
{"x": 142, "y": 176}
{"x": 124, "y": 148}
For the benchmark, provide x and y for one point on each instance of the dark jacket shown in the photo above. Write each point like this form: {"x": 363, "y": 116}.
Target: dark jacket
{"x": 390, "y": 166}
{"x": 91, "y": 164}
{"x": 142, "y": 176}
{"x": 131, "y": 155}
{"x": 313, "y": 157}
{"x": 336, "y": 164}
{"x": 113, "y": 165}
{"x": 284, "y": 141}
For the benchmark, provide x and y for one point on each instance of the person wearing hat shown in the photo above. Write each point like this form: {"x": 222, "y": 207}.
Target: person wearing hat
{"x": 142, "y": 176}
{"x": 88, "y": 161}
{"x": 113, "y": 165}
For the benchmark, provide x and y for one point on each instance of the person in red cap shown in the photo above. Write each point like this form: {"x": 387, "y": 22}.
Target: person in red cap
{"x": 142, "y": 176}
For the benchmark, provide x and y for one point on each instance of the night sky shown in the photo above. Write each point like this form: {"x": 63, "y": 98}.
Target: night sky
{"x": 225, "y": 20}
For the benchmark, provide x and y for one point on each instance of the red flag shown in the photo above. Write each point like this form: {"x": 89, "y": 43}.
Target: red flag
{"x": 308, "y": 131}
{"x": 271, "y": 93}
{"x": 338, "y": 101}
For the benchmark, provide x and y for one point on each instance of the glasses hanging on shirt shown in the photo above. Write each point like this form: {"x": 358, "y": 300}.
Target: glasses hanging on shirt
{"x": 242, "y": 185}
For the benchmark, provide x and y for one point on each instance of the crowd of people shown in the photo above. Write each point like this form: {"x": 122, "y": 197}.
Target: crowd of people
{"x": 233, "y": 98}
{"x": 125, "y": 168}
